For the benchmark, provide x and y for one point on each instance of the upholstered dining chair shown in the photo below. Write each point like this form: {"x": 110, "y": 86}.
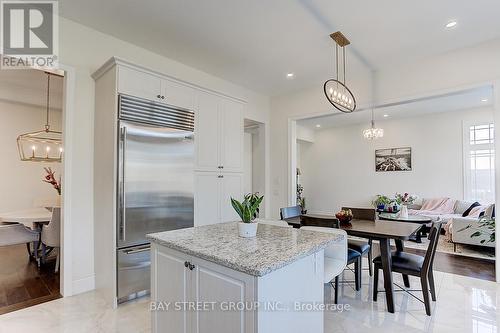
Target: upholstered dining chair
{"x": 290, "y": 212}
{"x": 363, "y": 247}
{"x": 415, "y": 265}
{"x": 51, "y": 236}
{"x": 336, "y": 258}
{"x": 16, "y": 233}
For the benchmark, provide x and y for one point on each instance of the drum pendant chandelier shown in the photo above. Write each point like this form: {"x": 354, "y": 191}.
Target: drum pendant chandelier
{"x": 44, "y": 145}
{"x": 336, "y": 90}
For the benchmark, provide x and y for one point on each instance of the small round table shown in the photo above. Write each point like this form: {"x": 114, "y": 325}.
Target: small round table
{"x": 410, "y": 219}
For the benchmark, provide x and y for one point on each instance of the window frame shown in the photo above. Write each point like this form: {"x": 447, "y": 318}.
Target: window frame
{"x": 467, "y": 147}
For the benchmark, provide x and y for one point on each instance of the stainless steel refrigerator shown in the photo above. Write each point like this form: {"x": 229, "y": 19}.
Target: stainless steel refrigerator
{"x": 155, "y": 184}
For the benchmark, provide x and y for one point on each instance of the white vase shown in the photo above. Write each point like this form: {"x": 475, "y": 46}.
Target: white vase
{"x": 404, "y": 212}
{"x": 247, "y": 230}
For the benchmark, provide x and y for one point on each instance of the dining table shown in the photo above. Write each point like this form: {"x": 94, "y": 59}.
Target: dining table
{"x": 32, "y": 218}
{"x": 383, "y": 231}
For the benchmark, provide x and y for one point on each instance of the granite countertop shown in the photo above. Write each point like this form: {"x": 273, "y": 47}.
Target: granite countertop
{"x": 273, "y": 248}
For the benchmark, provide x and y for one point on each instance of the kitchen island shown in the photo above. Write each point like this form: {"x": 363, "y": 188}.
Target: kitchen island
{"x": 208, "y": 279}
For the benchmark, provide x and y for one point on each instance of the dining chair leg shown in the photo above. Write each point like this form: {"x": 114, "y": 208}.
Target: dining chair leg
{"x": 375, "y": 282}
{"x": 425, "y": 292}
{"x": 58, "y": 259}
{"x": 406, "y": 280}
{"x": 430, "y": 276}
{"x": 44, "y": 253}
{"x": 370, "y": 257}
{"x": 28, "y": 246}
{"x": 357, "y": 273}
{"x": 336, "y": 294}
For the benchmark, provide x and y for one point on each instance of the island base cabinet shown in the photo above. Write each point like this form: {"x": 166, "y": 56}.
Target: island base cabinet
{"x": 191, "y": 295}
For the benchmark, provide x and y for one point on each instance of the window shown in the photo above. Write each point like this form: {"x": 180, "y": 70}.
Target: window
{"x": 479, "y": 163}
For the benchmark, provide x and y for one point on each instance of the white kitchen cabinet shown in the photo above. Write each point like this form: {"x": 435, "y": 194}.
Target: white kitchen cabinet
{"x": 177, "y": 94}
{"x": 219, "y": 134}
{"x": 138, "y": 83}
{"x": 170, "y": 267}
{"x": 206, "y": 198}
{"x": 212, "y": 200}
{"x": 232, "y": 136}
{"x": 231, "y": 187}
{"x": 183, "y": 280}
{"x": 207, "y": 132}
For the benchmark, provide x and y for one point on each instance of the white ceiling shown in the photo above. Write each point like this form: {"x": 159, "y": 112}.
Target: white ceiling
{"x": 256, "y": 42}
{"x": 463, "y": 100}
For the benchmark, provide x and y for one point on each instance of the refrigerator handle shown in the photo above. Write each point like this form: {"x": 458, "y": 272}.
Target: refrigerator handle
{"x": 123, "y": 144}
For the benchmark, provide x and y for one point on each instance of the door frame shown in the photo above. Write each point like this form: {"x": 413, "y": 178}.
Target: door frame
{"x": 68, "y": 112}
{"x": 495, "y": 84}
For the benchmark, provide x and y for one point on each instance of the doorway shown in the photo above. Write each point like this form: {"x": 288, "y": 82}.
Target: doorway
{"x": 254, "y": 159}
{"x": 30, "y": 203}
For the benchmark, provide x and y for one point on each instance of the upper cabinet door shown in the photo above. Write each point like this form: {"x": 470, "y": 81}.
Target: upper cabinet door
{"x": 140, "y": 84}
{"x": 207, "y": 132}
{"x": 232, "y": 139}
{"x": 177, "y": 94}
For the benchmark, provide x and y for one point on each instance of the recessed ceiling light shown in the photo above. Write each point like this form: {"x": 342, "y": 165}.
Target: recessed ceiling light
{"x": 318, "y": 126}
{"x": 452, "y": 24}
{"x": 386, "y": 115}
{"x": 484, "y": 100}
{"x": 290, "y": 76}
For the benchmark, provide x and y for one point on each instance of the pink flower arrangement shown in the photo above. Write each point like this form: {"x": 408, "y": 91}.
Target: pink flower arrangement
{"x": 51, "y": 179}
{"x": 405, "y": 199}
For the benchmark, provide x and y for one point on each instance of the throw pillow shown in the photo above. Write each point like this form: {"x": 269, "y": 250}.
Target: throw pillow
{"x": 477, "y": 211}
{"x": 489, "y": 212}
{"x": 467, "y": 211}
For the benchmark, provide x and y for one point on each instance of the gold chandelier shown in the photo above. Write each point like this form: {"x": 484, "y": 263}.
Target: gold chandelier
{"x": 336, "y": 90}
{"x": 44, "y": 145}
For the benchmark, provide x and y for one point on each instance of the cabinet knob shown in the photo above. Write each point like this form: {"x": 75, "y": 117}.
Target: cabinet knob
{"x": 220, "y": 176}
{"x": 158, "y": 96}
{"x": 186, "y": 264}
{"x": 162, "y": 97}
{"x": 191, "y": 266}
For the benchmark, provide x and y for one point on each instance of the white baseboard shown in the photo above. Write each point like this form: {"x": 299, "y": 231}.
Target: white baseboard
{"x": 83, "y": 285}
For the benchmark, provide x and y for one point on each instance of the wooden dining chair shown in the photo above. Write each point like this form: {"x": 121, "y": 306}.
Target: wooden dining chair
{"x": 412, "y": 264}
{"x": 290, "y": 212}
{"x": 365, "y": 248}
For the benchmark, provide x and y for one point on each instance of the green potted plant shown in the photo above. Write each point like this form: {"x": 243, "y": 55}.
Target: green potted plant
{"x": 248, "y": 211}
{"x": 380, "y": 201}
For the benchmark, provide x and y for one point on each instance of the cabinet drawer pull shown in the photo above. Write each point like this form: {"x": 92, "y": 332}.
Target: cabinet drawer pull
{"x": 220, "y": 176}
{"x": 158, "y": 96}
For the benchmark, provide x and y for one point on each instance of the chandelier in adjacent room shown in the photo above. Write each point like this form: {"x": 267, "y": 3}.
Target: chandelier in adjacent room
{"x": 373, "y": 132}
{"x": 336, "y": 90}
{"x": 44, "y": 145}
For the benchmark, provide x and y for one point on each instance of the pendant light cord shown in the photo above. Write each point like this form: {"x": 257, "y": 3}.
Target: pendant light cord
{"x": 47, "y": 125}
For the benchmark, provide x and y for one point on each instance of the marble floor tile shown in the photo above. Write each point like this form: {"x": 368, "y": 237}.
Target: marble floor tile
{"x": 464, "y": 305}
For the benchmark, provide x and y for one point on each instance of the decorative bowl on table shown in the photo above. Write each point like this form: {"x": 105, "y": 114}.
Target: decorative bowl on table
{"x": 344, "y": 216}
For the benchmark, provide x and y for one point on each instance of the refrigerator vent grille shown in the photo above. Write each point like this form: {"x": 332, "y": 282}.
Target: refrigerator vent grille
{"x": 159, "y": 114}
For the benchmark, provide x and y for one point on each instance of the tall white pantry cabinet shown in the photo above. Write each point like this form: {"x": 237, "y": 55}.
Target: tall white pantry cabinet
{"x": 218, "y": 170}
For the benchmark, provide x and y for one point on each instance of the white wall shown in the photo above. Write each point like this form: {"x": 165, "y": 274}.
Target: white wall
{"x": 21, "y": 182}
{"x": 306, "y": 103}
{"x": 85, "y": 50}
{"x": 338, "y": 169}
{"x": 247, "y": 163}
